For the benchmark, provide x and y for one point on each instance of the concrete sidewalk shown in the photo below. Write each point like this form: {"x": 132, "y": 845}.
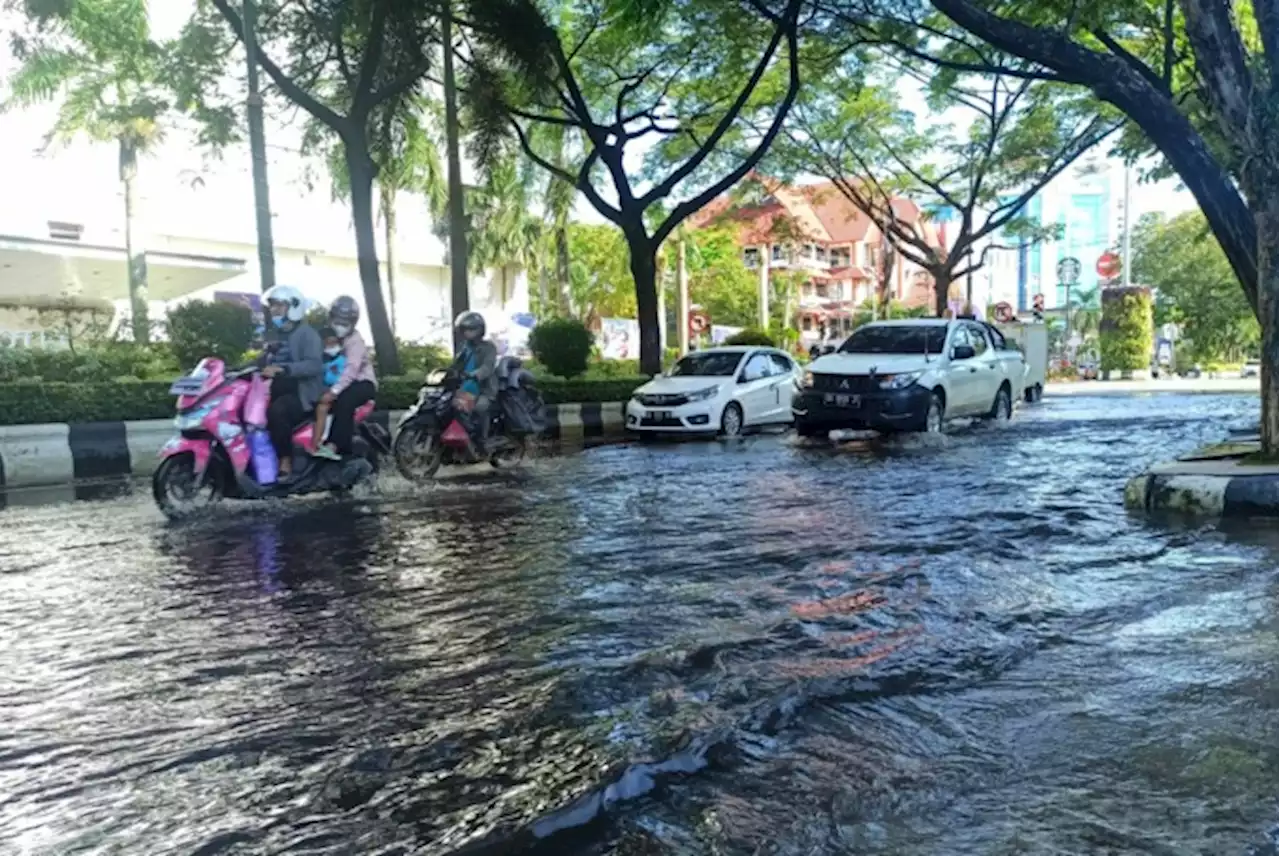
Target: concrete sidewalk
{"x": 1183, "y": 386}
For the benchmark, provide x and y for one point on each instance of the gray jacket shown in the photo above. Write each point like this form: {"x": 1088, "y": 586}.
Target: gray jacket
{"x": 305, "y": 362}
{"x": 486, "y": 363}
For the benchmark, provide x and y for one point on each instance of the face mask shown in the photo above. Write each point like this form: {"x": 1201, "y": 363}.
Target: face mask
{"x": 342, "y": 330}
{"x": 277, "y": 321}
{"x": 332, "y": 352}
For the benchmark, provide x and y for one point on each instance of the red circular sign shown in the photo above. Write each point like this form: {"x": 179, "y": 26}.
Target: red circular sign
{"x": 1109, "y": 265}
{"x": 698, "y": 323}
{"x": 1003, "y": 312}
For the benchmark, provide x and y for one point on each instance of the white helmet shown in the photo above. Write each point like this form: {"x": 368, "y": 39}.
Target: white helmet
{"x": 292, "y": 298}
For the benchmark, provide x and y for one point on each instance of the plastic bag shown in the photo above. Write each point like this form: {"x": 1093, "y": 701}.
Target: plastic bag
{"x": 255, "y": 403}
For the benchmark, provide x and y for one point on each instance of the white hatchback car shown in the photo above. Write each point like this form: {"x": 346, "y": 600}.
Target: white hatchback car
{"x": 721, "y": 390}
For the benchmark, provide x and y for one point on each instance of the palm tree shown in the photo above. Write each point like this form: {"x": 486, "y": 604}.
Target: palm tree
{"x": 98, "y": 57}
{"x": 1086, "y": 313}
{"x": 503, "y": 232}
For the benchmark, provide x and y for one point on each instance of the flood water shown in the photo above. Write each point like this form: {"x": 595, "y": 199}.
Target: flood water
{"x": 759, "y": 647}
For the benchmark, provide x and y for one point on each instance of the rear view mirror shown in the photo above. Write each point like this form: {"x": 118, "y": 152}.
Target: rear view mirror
{"x": 962, "y": 352}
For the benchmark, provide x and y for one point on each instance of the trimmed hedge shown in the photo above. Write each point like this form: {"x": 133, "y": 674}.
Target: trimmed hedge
{"x": 35, "y": 403}
{"x": 1125, "y": 329}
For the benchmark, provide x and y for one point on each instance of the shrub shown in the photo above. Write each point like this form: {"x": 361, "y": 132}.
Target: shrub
{"x": 199, "y": 329}
{"x": 1125, "y": 331}
{"x": 97, "y": 364}
{"x": 420, "y": 360}
{"x": 751, "y": 337}
{"x": 563, "y": 345}
{"x": 30, "y": 403}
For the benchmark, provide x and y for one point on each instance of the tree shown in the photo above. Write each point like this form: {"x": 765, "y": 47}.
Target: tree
{"x": 407, "y": 158}
{"x": 607, "y": 79}
{"x": 1197, "y": 290}
{"x": 349, "y": 65}
{"x": 504, "y": 234}
{"x": 1200, "y": 79}
{"x": 600, "y": 279}
{"x": 1020, "y": 136}
{"x": 116, "y": 84}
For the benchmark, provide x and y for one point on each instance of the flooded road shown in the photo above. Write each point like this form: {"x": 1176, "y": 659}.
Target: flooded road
{"x": 763, "y": 647}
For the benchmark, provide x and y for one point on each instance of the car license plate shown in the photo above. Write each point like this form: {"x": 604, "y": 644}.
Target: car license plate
{"x": 844, "y": 400}
{"x": 660, "y": 415}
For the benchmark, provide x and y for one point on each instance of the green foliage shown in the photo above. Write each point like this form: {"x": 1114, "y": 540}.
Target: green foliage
{"x": 1126, "y": 329}
{"x": 37, "y": 403}
{"x": 563, "y": 345}
{"x": 217, "y": 329}
{"x": 752, "y": 337}
{"x": 1195, "y": 288}
{"x": 600, "y": 280}
{"x": 108, "y": 361}
{"x": 421, "y": 360}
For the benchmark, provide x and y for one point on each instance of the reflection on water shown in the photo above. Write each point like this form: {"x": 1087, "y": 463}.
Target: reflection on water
{"x": 914, "y": 647}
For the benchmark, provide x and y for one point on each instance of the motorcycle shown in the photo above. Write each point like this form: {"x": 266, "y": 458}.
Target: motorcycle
{"x": 221, "y": 449}
{"x": 432, "y": 433}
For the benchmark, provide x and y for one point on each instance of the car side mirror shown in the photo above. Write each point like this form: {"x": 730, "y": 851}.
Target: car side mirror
{"x": 962, "y": 352}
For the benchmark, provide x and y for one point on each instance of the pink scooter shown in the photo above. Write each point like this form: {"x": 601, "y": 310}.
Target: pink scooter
{"x": 222, "y": 450}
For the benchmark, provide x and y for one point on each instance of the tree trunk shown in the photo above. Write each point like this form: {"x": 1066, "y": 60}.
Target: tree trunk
{"x": 644, "y": 270}
{"x": 135, "y": 255}
{"x": 941, "y": 290}
{"x": 459, "y": 291}
{"x": 1268, "y": 219}
{"x": 887, "y": 258}
{"x": 388, "y": 202}
{"x": 682, "y": 292}
{"x": 542, "y": 290}
{"x": 562, "y": 271}
{"x": 360, "y": 170}
{"x": 258, "y": 154}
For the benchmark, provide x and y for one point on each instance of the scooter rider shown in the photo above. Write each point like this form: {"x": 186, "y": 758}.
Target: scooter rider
{"x": 475, "y": 365}
{"x": 295, "y": 365}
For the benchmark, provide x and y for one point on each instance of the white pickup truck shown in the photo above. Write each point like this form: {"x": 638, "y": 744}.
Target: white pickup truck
{"x": 910, "y": 376}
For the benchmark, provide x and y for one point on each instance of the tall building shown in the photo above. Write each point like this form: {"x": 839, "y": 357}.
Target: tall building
{"x": 816, "y": 230}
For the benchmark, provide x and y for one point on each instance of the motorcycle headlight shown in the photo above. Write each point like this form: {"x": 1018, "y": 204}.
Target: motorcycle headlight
{"x": 703, "y": 394}
{"x": 899, "y": 381}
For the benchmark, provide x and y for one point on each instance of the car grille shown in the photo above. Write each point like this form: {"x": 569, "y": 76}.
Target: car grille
{"x": 843, "y": 383}
{"x": 663, "y": 399}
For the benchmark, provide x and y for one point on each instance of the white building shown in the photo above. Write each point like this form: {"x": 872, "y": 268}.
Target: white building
{"x": 62, "y": 230}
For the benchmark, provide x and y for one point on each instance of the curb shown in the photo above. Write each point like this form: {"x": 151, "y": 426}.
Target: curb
{"x": 94, "y": 458}
{"x": 1240, "y": 496}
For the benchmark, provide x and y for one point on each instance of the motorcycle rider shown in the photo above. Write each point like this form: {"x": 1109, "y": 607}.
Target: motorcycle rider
{"x": 475, "y": 364}
{"x": 357, "y": 385}
{"x": 295, "y": 365}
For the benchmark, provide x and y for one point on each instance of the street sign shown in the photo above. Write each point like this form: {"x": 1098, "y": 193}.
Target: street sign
{"x": 1003, "y": 312}
{"x": 1069, "y": 271}
{"x": 698, "y": 323}
{"x": 1109, "y": 265}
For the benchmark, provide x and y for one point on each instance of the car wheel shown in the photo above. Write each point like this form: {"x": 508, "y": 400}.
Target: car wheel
{"x": 1002, "y": 407}
{"x": 731, "y": 420}
{"x": 933, "y": 418}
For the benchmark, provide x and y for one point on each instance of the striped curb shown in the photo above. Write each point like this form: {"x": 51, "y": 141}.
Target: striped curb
{"x": 95, "y": 459}
{"x": 1205, "y": 495}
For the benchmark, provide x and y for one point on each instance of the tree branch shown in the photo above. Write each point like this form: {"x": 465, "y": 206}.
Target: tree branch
{"x": 1132, "y": 61}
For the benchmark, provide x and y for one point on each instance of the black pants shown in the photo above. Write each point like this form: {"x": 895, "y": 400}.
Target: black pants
{"x": 283, "y": 415}
{"x": 343, "y": 411}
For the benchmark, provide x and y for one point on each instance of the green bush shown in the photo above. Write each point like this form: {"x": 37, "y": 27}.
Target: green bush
{"x": 563, "y": 345}
{"x": 29, "y": 403}
{"x": 1125, "y": 330}
{"x": 218, "y": 329}
{"x": 752, "y": 337}
{"x": 98, "y": 364}
{"x": 420, "y": 360}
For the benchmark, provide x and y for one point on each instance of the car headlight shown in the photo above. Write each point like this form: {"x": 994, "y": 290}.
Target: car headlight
{"x": 703, "y": 394}
{"x": 899, "y": 381}
{"x": 806, "y": 380}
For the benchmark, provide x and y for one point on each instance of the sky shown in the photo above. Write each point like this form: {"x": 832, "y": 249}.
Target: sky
{"x": 168, "y": 16}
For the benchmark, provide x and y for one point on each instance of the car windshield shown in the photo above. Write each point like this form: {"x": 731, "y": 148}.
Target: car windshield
{"x": 707, "y": 364}
{"x": 894, "y": 339}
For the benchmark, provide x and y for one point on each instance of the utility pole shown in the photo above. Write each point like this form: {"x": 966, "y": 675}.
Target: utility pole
{"x": 258, "y": 151}
{"x": 459, "y": 291}
{"x": 1125, "y": 245}
{"x": 682, "y": 291}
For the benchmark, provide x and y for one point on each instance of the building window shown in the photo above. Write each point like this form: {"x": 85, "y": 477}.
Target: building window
{"x": 778, "y": 252}
{"x": 823, "y": 290}
{"x": 751, "y": 257}
{"x": 839, "y": 257}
